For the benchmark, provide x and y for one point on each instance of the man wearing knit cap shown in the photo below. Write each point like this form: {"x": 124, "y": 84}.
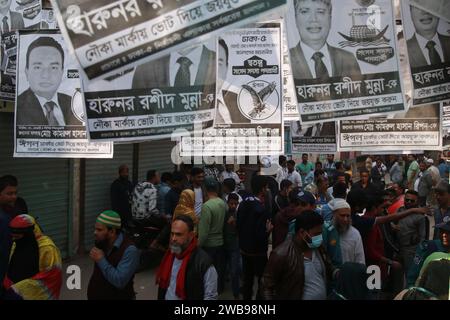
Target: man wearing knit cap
{"x": 342, "y": 240}
{"x": 116, "y": 260}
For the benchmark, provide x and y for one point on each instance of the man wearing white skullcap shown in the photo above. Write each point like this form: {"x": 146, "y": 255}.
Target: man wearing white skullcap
{"x": 341, "y": 235}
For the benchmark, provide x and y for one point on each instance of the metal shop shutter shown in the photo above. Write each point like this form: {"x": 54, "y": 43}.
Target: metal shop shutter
{"x": 43, "y": 183}
{"x": 100, "y": 173}
{"x": 155, "y": 155}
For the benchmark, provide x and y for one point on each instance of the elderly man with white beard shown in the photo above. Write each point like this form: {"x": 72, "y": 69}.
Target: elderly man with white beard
{"x": 342, "y": 240}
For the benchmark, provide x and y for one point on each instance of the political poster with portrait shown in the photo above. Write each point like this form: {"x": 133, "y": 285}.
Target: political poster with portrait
{"x": 446, "y": 125}
{"x": 418, "y": 128}
{"x": 8, "y": 66}
{"x": 20, "y": 14}
{"x": 289, "y": 104}
{"x": 49, "y": 112}
{"x": 248, "y": 116}
{"x": 344, "y": 58}
{"x": 110, "y": 36}
{"x": 439, "y": 8}
{"x": 428, "y": 43}
{"x": 49, "y": 20}
{"x": 154, "y": 99}
{"x": 319, "y": 137}
{"x": 287, "y": 138}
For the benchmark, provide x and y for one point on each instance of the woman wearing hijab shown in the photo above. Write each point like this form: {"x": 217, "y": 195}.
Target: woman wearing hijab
{"x": 351, "y": 283}
{"x": 186, "y": 206}
{"x": 34, "y": 271}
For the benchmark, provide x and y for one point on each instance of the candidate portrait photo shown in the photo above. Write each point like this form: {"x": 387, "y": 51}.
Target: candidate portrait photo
{"x": 427, "y": 46}
{"x": 41, "y": 100}
{"x": 313, "y": 57}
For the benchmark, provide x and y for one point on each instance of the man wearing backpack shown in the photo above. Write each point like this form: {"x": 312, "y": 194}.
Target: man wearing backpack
{"x": 144, "y": 202}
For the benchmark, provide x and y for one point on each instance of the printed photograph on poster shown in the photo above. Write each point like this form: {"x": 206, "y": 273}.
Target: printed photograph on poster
{"x": 405, "y": 71}
{"x": 49, "y": 19}
{"x": 110, "y": 36}
{"x": 428, "y": 43}
{"x": 439, "y": 8}
{"x": 154, "y": 99}
{"x": 313, "y": 138}
{"x": 417, "y": 128}
{"x": 20, "y": 14}
{"x": 445, "y": 125}
{"x": 49, "y": 113}
{"x": 344, "y": 58}
{"x": 8, "y": 66}
{"x": 248, "y": 80}
{"x": 287, "y": 138}
{"x": 248, "y": 92}
{"x": 289, "y": 104}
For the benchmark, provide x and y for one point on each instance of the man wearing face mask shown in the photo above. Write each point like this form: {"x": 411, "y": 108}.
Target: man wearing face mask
{"x": 299, "y": 268}
{"x": 186, "y": 272}
{"x": 116, "y": 260}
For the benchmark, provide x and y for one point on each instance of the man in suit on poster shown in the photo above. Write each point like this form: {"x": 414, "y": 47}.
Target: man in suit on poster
{"x": 194, "y": 66}
{"x": 227, "y": 110}
{"x": 321, "y": 129}
{"x": 313, "y": 57}
{"x": 9, "y": 20}
{"x": 427, "y": 47}
{"x": 41, "y": 103}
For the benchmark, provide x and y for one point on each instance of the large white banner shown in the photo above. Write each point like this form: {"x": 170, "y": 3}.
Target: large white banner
{"x": 110, "y": 36}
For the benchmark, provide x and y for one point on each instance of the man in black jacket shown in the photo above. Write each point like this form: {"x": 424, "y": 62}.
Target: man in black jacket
{"x": 121, "y": 190}
{"x": 186, "y": 271}
{"x": 253, "y": 226}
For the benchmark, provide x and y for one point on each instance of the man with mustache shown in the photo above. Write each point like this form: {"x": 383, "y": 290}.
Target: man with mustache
{"x": 412, "y": 230}
{"x": 340, "y": 235}
{"x": 186, "y": 271}
{"x": 116, "y": 260}
{"x": 427, "y": 47}
{"x": 41, "y": 103}
{"x": 313, "y": 57}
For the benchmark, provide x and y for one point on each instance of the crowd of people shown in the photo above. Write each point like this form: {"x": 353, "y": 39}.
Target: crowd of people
{"x": 308, "y": 232}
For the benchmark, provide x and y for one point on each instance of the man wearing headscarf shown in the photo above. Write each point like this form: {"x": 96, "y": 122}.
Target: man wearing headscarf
{"x": 34, "y": 271}
{"x": 116, "y": 260}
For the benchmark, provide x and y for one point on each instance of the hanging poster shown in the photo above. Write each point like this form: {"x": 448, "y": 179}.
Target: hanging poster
{"x": 428, "y": 43}
{"x": 344, "y": 58}
{"x": 49, "y": 112}
{"x": 419, "y": 128}
{"x": 248, "y": 116}
{"x": 110, "y": 36}
{"x": 153, "y": 100}
{"x": 313, "y": 138}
